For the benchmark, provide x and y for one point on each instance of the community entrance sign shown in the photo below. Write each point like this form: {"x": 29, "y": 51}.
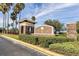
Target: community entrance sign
{"x": 71, "y": 31}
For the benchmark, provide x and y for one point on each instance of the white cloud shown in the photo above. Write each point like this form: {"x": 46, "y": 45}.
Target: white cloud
{"x": 53, "y": 7}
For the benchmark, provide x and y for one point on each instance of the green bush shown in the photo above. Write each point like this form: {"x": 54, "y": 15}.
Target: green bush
{"x": 29, "y": 38}
{"x": 42, "y": 40}
{"x": 78, "y": 37}
{"x": 46, "y": 41}
{"x": 32, "y": 39}
{"x": 22, "y": 37}
{"x": 77, "y": 30}
{"x": 67, "y": 48}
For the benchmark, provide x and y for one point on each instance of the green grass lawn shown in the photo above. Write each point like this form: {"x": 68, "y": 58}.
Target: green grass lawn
{"x": 13, "y": 36}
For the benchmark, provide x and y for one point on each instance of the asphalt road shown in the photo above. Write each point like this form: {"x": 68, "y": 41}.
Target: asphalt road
{"x": 9, "y": 48}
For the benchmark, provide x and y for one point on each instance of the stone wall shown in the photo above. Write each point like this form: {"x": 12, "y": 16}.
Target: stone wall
{"x": 44, "y": 30}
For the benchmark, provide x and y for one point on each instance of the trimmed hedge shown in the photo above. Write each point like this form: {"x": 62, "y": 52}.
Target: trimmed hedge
{"x": 78, "y": 37}
{"x": 43, "y": 41}
{"x": 46, "y": 41}
{"x": 29, "y": 38}
{"x": 67, "y": 48}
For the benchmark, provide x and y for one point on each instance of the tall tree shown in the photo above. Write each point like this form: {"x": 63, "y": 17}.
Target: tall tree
{"x": 33, "y": 18}
{"x": 9, "y": 7}
{"x": 4, "y": 9}
{"x": 49, "y": 22}
{"x": 18, "y": 8}
{"x": 55, "y": 23}
{"x": 13, "y": 17}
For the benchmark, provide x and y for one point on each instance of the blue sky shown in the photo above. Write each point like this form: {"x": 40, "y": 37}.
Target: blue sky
{"x": 64, "y": 12}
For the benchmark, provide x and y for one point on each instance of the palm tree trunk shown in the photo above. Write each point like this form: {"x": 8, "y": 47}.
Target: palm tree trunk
{"x": 13, "y": 26}
{"x": 8, "y": 23}
{"x": 19, "y": 21}
{"x": 16, "y": 24}
{"x": 3, "y": 23}
{"x": 19, "y": 17}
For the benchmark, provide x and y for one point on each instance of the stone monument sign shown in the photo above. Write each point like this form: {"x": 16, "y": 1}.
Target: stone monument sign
{"x": 71, "y": 31}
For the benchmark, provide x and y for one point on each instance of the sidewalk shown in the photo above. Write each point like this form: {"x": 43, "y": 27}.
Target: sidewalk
{"x": 39, "y": 49}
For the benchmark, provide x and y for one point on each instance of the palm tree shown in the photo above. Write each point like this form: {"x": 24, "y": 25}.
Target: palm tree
{"x": 1, "y": 11}
{"x": 18, "y": 8}
{"x": 4, "y": 9}
{"x": 13, "y": 17}
{"x": 33, "y": 18}
{"x": 9, "y": 7}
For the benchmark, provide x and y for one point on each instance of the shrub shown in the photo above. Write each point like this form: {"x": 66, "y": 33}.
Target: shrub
{"x": 78, "y": 37}
{"x": 77, "y": 30}
{"x": 46, "y": 41}
{"x": 29, "y": 38}
{"x": 22, "y": 37}
{"x": 67, "y": 48}
{"x": 32, "y": 39}
{"x": 42, "y": 40}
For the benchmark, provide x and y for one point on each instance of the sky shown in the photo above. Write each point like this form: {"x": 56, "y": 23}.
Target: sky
{"x": 64, "y": 12}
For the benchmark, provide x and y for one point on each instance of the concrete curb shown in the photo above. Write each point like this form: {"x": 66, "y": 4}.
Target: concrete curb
{"x": 39, "y": 49}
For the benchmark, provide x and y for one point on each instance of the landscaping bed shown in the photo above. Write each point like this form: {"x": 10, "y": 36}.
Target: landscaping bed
{"x": 67, "y": 48}
{"x": 43, "y": 40}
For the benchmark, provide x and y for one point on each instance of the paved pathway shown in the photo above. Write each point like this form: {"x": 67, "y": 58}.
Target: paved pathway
{"x": 9, "y": 48}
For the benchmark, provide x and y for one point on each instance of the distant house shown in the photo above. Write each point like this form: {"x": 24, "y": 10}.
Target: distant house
{"x": 44, "y": 30}
{"x": 26, "y": 26}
